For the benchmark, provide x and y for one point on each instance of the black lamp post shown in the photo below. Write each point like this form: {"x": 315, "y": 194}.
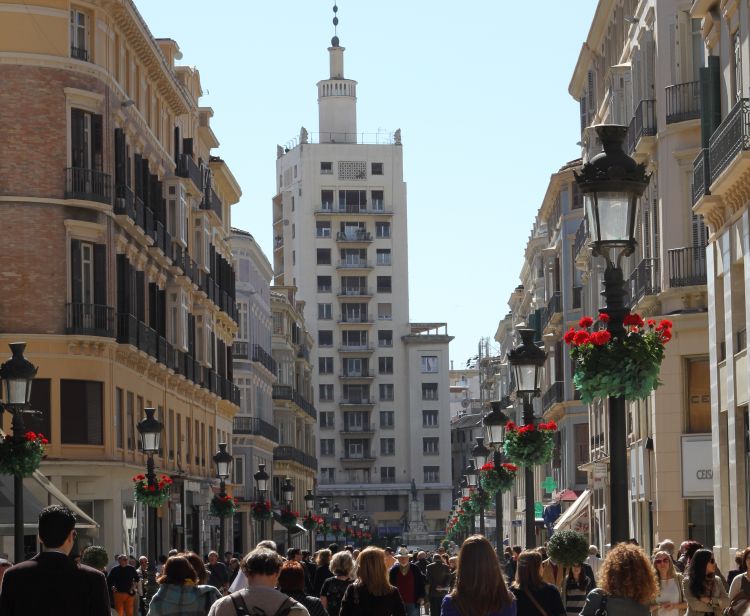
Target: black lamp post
{"x": 355, "y": 526}
{"x": 324, "y": 515}
{"x": 527, "y": 362}
{"x": 480, "y": 453}
{"x": 612, "y": 184}
{"x": 150, "y": 430}
{"x": 494, "y": 428}
{"x": 345, "y": 519}
{"x": 336, "y": 520}
{"x": 287, "y": 493}
{"x": 17, "y": 375}
{"x": 472, "y": 481}
{"x": 310, "y": 506}
{"x": 223, "y": 461}
{"x": 261, "y": 485}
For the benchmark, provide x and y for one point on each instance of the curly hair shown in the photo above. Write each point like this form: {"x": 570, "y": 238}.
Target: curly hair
{"x": 627, "y": 572}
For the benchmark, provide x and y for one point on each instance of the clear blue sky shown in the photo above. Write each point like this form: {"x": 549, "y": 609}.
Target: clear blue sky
{"x": 479, "y": 90}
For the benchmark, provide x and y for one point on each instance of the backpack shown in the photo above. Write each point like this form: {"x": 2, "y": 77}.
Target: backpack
{"x": 241, "y": 608}
{"x": 334, "y": 593}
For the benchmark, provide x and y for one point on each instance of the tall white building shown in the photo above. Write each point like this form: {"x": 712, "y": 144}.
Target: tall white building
{"x": 382, "y": 382}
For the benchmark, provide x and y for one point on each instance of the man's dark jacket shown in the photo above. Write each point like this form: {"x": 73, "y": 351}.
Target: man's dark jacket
{"x": 419, "y": 579}
{"x": 50, "y": 584}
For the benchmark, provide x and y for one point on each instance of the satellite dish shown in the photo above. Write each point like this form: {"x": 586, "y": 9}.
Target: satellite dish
{"x": 465, "y": 403}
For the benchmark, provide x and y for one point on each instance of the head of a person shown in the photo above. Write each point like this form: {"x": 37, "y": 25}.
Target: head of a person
{"x": 437, "y": 558}
{"x": 57, "y": 528}
{"x": 421, "y": 555}
{"x": 372, "y": 572}
{"x": 291, "y": 577}
{"x": 268, "y": 544}
{"x": 178, "y": 570}
{"x": 528, "y": 570}
{"x": 691, "y": 548}
{"x": 342, "y": 563}
{"x": 197, "y": 564}
{"x": 172, "y": 552}
{"x": 667, "y": 546}
{"x": 213, "y": 557}
{"x": 453, "y": 562}
{"x": 293, "y": 554}
{"x": 701, "y": 569}
{"x": 683, "y": 547}
{"x": 663, "y": 566}
{"x": 262, "y": 566}
{"x": 355, "y": 553}
{"x": 333, "y": 548}
{"x": 305, "y": 555}
{"x": 480, "y": 585}
{"x": 627, "y": 572}
{"x": 593, "y": 550}
{"x": 143, "y": 562}
{"x": 123, "y": 560}
{"x": 234, "y": 563}
{"x": 324, "y": 557}
{"x": 744, "y": 564}
{"x": 403, "y": 557}
{"x": 516, "y": 551}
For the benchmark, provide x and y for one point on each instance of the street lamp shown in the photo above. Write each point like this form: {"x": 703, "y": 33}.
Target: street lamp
{"x": 480, "y": 453}
{"x": 261, "y": 485}
{"x": 336, "y": 518}
{"x": 612, "y": 184}
{"x": 287, "y": 493}
{"x": 150, "y": 430}
{"x": 527, "y": 362}
{"x": 17, "y": 375}
{"x": 310, "y": 506}
{"x": 465, "y": 490}
{"x": 355, "y": 525}
{"x": 223, "y": 461}
{"x": 494, "y": 428}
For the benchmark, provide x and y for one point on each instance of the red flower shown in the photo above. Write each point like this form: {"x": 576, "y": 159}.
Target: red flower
{"x": 601, "y": 337}
{"x": 489, "y": 466}
{"x": 581, "y": 337}
{"x": 664, "y": 324}
{"x": 161, "y": 485}
{"x": 511, "y": 467}
{"x": 585, "y": 322}
{"x": 45, "y": 441}
{"x": 30, "y": 436}
{"x": 569, "y": 335}
{"x": 510, "y": 426}
{"x": 550, "y": 425}
{"x": 604, "y": 317}
{"x": 665, "y": 336}
{"x": 152, "y": 488}
{"x": 633, "y": 319}
{"x": 651, "y": 323}
{"x": 526, "y": 428}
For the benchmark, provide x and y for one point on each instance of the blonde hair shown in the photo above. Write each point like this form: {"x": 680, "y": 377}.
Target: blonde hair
{"x": 371, "y": 572}
{"x": 341, "y": 563}
{"x": 670, "y": 565}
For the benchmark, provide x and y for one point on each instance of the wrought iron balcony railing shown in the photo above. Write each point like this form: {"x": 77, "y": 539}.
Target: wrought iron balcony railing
{"x": 701, "y": 175}
{"x": 644, "y": 280}
{"x": 264, "y": 358}
{"x": 582, "y": 234}
{"x": 683, "y": 102}
{"x": 256, "y": 426}
{"x": 687, "y": 266}
{"x": 730, "y": 138}
{"x": 89, "y": 320}
{"x": 643, "y": 124}
{"x": 188, "y": 168}
{"x": 287, "y": 452}
{"x": 553, "y": 395}
{"x": 88, "y": 185}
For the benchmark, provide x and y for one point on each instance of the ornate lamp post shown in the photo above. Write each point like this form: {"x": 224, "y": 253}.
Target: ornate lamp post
{"x": 480, "y": 453}
{"x": 287, "y": 493}
{"x": 17, "y": 375}
{"x": 472, "y": 480}
{"x": 355, "y": 526}
{"x": 150, "y": 431}
{"x": 494, "y": 428}
{"x": 337, "y": 520}
{"x": 346, "y": 519}
{"x": 527, "y": 362}
{"x": 261, "y": 485}
{"x": 310, "y": 506}
{"x": 324, "y": 515}
{"x": 223, "y": 461}
{"x": 612, "y": 184}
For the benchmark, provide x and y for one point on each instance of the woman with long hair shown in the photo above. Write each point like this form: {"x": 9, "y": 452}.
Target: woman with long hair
{"x": 703, "y": 590}
{"x": 534, "y": 596}
{"x": 627, "y": 584}
{"x": 740, "y": 582}
{"x": 671, "y": 601}
{"x": 179, "y": 593}
{"x": 200, "y": 568}
{"x": 576, "y": 585}
{"x": 480, "y": 588}
{"x": 372, "y": 592}
{"x": 292, "y": 584}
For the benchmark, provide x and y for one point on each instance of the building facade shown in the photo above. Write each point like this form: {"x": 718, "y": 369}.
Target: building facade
{"x": 117, "y": 251}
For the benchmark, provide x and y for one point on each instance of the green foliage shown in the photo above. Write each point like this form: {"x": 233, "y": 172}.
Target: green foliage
{"x": 529, "y": 445}
{"x": 568, "y": 548}
{"x": 21, "y": 457}
{"x": 222, "y": 506}
{"x": 95, "y": 556}
{"x": 152, "y": 495}
{"x": 497, "y": 480}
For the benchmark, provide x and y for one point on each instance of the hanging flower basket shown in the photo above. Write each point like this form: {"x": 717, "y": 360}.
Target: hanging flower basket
{"x": 261, "y": 510}
{"x": 336, "y": 528}
{"x": 497, "y": 480}
{"x": 479, "y": 500}
{"x": 154, "y": 495}
{"x": 287, "y": 517}
{"x": 312, "y": 522}
{"x": 467, "y": 505}
{"x": 609, "y": 367}
{"x": 529, "y": 445}
{"x": 222, "y": 506}
{"x": 324, "y": 528}
{"x": 22, "y": 457}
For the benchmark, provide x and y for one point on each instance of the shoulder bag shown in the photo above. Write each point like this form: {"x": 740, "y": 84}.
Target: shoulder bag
{"x": 539, "y": 608}
{"x": 602, "y": 609}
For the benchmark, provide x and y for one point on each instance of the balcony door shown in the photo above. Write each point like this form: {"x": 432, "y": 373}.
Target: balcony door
{"x": 85, "y": 140}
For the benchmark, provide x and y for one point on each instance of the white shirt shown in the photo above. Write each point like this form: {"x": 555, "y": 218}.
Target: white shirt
{"x": 670, "y": 593}
{"x": 240, "y": 582}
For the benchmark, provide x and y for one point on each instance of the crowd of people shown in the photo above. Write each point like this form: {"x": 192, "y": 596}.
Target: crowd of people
{"x": 344, "y": 581}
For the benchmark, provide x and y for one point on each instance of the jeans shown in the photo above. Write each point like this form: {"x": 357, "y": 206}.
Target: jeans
{"x": 412, "y": 609}
{"x": 435, "y": 603}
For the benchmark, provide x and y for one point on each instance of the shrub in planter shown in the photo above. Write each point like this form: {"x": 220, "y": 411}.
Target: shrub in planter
{"x": 261, "y": 510}
{"x": 568, "y": 548}
{"x": 222, "y": 506}
{"x": 154, "y": 495}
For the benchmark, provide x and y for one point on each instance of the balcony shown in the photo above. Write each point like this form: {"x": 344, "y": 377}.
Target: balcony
{"x": 554, "y": 306}
{"x": 188, "y": 168}
{"x": 683, "y": 102}
{"x": 240, "y": 349}
{"x": 285, "y": 392}
{"x": 553, "y": 395}
{"x": 354, "y": 265}
{"x": 354, "y": 236}
{"x": 89, "y": 320}
{"x": 582, "y": 234}
{"x": 357, "y": 401}
{"x": 377, "y": 208}
{"x": 701, "y": 175}
{"x": 687, "y": 266}
{"x": 358, "y": 430}
{"x": 124, "y": 201}
{"x": 79, "y": 53}
{"x": 644, "y": 280}
{"x": 357, "y": 319}
{"x": 358, "y": 374}
{"x": 642, "y": 125}
{"x": 349, "y": 460}
{"x": 264, "y": 358}
{"x": 355, "y": 348}
{"x": 292, "y": 454}
{"x": 211, "y": 202}
{"x": 255, "y": 426}
{"x": 88, "y": 185}
{"x": 354, "y": 292}
{"x": 730, "y": 138}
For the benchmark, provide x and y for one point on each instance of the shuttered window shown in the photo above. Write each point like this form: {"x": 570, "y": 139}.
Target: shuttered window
{"x": 85, "y": 139}
{"x": 81, "y": 412}
{"x": 88, "y": 273}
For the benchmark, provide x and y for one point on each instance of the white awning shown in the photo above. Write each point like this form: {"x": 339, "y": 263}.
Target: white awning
{"x": 575, "y": 511}
{"x": 84, "y": 521}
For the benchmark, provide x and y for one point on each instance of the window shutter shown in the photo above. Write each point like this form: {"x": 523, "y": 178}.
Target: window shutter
{"x": 145, "y": 184}
{"x": 77, "y": 155}
{"x": 97, "y": 140}
{"x": 187, "y": 146}
{"x": 152, "y": 306}
{"x": 191, "y": 334}
{"x": 100, "y": 274}
{"x": 137, "y": 160}
{"x": 76, "y": 283}
{"x": 120, "y": 157}
{"x": 123, "y": 302}
{"x": 140, "y": 299}
{"x": 162, "y": 311}
{"x": 177, "y": 142}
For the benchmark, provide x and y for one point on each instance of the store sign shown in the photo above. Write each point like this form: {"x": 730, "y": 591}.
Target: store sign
{"x": 697, "y": 466}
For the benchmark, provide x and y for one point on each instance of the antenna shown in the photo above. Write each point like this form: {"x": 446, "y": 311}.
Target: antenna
{"x": 335, "y": 39}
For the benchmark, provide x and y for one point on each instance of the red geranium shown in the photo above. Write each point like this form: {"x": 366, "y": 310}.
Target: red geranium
{"x": 664, "y": 324}
{"x": 604, "y": 317}
{"x": 585, "y": 322}
{"x": 511, "y": 467}
{"x": 601, "y": 337}
{"x": 581, "y": 337}
{"x": 569, "y": 335}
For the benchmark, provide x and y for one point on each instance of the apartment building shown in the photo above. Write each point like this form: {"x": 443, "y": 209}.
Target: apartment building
{"x": 115, "y": 214}
{"x": 381, "y": 382}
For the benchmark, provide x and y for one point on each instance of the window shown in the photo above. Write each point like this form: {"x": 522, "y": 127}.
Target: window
{"x": 327, "y": 475}
{"x": 356, "y": 394}
{"x": 325, "y": 392}
{"x": 354, "y": 313}
{"x": 377, "y": 169}
{"x": 387, "y": 446}
{"x": 358, "y": 503}
{"x": 429, "y": 364}
{"x": 377, "y": 201}
{"x": 358, "y": 475}
{"x": 431, "y": 474}
{"x": 325, "y": 312}
{"x": 86, "y": 140}
{"x": 357, "y": 448}
{"x": 354, "y": 339}
{"x": 324, "y": 256}
{"x": 387, "y": 419}
{"x": 384, "y": 284}
{"x": 325, "y": 365}
{"x": 326, "y": 200}
{"x": 385, "y": 338}
{"x": 79, "y": 40}
{"x": 326, "y": 168}
{"x": 119, "y": 402}
{"x": 386, "y": 391}
{"x": 383, "y": 256}
{"x": 356, "y": 421}
{"x": 355, "y": 366}
{"x": 81, "y": 412}
{"x": 699, "y": 396}
{"x": 352, "y": 170}
{"x": 736, "y": 66}
{"x": 327, "y": 447}
{"x": 324, "y": 284}
{"x": 352, "y": 201}
{"x": 430, "y": 445}
{"x": 323, "y": 229}
{"x": 382, "y": 230}
{"x": 429, "y": 419}
{"x": 385, "y": 312}
{"x": 327, "y": 419}
{"x": 432, "y": 502}
{"x": 325, "y": 338}
{"x": 388, "y": 475}
{"x": 239, "y": 471}
{"x": 385, "y": 365}
{"x": 429, "y": 391}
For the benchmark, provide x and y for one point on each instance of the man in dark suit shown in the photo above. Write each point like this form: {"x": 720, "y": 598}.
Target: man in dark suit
{"x": 51, "y": 584}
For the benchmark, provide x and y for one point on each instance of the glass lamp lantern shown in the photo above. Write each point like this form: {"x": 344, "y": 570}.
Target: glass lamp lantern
{"x": 527, "y": 362}
{"x": 495, "y": 420}
{"x": 261, "y": 479}
{"x": 471, "y": 474}
{"x": 17, "y": 375}
{"x": 480, "y": 453}
{"x": 336, "y": 512}
{"x": 309, "y": 500}
{"x": 150, "y": 430}
{"x": 287, "y": 491}
{"x": 324, "y": 507}
{"x": 223, "y": 461}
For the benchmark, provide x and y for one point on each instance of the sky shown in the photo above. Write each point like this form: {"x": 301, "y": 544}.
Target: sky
{"x": 479, "y": 91}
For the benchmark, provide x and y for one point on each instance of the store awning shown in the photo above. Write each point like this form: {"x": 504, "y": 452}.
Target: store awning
{"x": 578, "y": 509}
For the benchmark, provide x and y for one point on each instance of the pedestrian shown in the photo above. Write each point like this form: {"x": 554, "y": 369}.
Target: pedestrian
{"x": 5, "y": 564}
{"x": 511, "y": 564}
{"x": 741, "y": 567}
{"x": 309, "y": 571}
{"x": 553, "y": 573}
{"x": 372, "y": 593}
{"x": 218, "y": 572}
{"x": 322, "y": 571}
{"x": 422, "y": 561}
{"x": 51, "y": 583}
{"x": 240, "y": 581}
{"x": 234, "y": 568}
{"x": 627, "y": 584}
{"x": 480, "y": 588}
{"x": 147, "y": 585}
{"x": 292, "y": 584}
{"x": 703, "y": 590}
{"x": 294, "y": 554}
{"x": 197, "y": 564}
{"x": 123, "y": 580}
{"x": 389, "y": 558}
{"x": 332, "y": 592}
{"x": 534, "y": 596}
{"x": 578, "y": 583}
{"x": 408, "y": 578}
{"x": 180, "y": 593}
{"x": 261, "y": 568}
{"x": 438, "y": 583}
{"x": 593, "y": 561}
{"x": 687, "y": 549}
{"x": 741, "y": 582}
{"x": 671, "y": 599}
{"x": 452, "y": 563}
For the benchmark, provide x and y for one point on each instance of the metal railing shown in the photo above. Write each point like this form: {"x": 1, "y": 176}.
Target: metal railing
{"x": 356, "y": 265}
{"x": 366, "y": 427}
{"x": 731, "y": 137}
{"x": 255, "y": 425}
{"x": 89, "y": 320}
{"x": 79, "y": 53}
{"x": 687, "y": 266}
{"x": 644, "y": 280}
{"x": 554, "y": 306}
{"x": 643, "y": 124}
{"x": 554, "y": 394}
{"x": 349, "y": 318}
{"x": 240, "y": 349}
{"x": 683, "y": 102}
{"x": 287, "y": 452}
{"x": 582, "y": 234}
{"x": 286, "y": 392}
{"x": 211, "y": 202}
{"x": 701, "y": 175}
{"x": 354, "y": 236}
{"x": 355, "y": 291}
{"x": 188, "y": 168}
{"x": 124, "y": 201}
{"x": 355, "y": 348}
{"x": 88, "y": 185}
{"x": 264, "y": 358}
{"x": 359, "y": 400}
{"x": 357, "y": 374}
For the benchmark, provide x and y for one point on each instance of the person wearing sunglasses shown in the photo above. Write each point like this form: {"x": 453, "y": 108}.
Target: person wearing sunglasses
{"x": 670, "y": 601}
{"x": 704, "y": 592}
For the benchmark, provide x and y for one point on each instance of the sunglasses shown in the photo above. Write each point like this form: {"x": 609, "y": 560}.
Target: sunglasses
{"x": 661, "y": 560}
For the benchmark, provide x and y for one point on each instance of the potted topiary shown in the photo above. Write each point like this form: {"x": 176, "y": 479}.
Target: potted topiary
{"x": 568, "y": 548}
{"x": 95, "y": 556}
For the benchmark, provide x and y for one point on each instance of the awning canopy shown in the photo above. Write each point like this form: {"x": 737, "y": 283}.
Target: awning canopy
{"x": 578, "y": 509}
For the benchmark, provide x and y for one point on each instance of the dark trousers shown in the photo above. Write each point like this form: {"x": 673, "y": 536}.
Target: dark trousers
{"x": 435, "y": 603}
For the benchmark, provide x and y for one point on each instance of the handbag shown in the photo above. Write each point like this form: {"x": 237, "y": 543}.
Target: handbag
{"x": 539, "y": 608}
{"x": 602, "y": 609}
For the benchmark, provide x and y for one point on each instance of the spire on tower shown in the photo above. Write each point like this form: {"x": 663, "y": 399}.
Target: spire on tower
{"x": 335, "y": 39}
